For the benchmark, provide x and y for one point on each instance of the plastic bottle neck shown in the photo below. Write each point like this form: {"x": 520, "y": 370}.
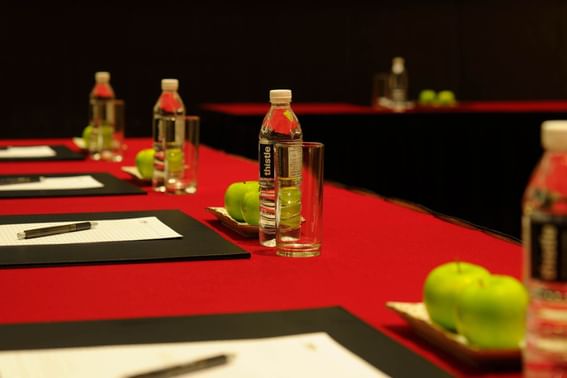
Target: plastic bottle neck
{"x": 281, "y": 104}
{"x": 170, "y": 102}
{"x": 102, "y": 90}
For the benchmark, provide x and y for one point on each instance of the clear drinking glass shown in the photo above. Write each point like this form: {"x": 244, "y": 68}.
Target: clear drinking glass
{"x": 299, "y": 198}
{"x": 106, "y": 140}
{"x": 381, "y": 93}
{"x": 118, "y": 146}
{"x": 181, "y": 162}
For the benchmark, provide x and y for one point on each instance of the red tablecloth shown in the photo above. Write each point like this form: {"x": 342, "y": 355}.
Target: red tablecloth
{"x": 259, "y": 109}
{"x": 373, "y": 251}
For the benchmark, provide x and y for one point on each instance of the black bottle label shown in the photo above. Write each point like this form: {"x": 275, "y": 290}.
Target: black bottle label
{"x": 546, "y": 240}
{"x": 266, "y": 158}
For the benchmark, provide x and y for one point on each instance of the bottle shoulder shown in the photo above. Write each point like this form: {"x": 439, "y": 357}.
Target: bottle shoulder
{"x": 102, "y": 91}
{"x": 169, "y": 103}
{"x": 547, "y": 187}
{"x": 281, "y": 120}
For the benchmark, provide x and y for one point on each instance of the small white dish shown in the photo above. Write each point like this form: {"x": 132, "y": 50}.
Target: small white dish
{"x": 79, "y": 142}
{"x": 241, "y": 228}
{"x": 133, "y": 171}
{"x": 415, "y": 314}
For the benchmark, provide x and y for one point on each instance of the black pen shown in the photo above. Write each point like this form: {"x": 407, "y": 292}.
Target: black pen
{"x": 177, "y": 370}
{"x": 54, "y": 230}
{"x": 19, "y": 180}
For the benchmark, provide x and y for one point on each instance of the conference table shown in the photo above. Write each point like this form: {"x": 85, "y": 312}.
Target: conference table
{"x": 374, "y": 250}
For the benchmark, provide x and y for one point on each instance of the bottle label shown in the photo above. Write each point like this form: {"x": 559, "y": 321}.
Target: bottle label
{"x": 545, "y": 238}
{"x": 266, "y": 159}
{"x": 295, "y": 161}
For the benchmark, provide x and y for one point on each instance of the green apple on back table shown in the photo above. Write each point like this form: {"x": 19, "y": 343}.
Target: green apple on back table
{"x": 446, "y": 98}
{"x": 427, "y": 97}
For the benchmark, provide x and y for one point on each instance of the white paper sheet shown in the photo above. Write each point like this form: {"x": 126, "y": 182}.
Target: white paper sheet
{"x": 28, "y": 151}
{"x": 127, "y": 229}
{"x": 308, "y": 355}
{"x": 79, "y": 142}
{"x": 56, "y": 183}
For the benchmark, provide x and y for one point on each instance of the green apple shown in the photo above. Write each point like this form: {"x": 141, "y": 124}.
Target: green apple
{"x": 427, "y": 97}
{"x": 290, "y": 207}
{"x": 446, "y": 98}
{"x": 442, "y": 288}
{"x": 491, "y": 312}
{"x": 233, "y": 196}
{"x": 174, "y": 160}
{"x": 145, "y": 162}
{"x": 106, "y": 136}
{"x": 87, "y": 135}
{"x": 250, "y": 207}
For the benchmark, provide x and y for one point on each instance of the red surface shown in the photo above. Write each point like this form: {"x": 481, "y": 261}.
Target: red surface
{"x": 373, "y": 251}
{"x": 515, "y": 106}
{"x": 255, "y": 109}
{"x": 259, "y": 109}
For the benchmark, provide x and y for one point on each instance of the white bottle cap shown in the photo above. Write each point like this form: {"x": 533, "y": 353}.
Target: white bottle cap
{"x": 278, "y": 96}
{"x": 398, "y": 65}
{"x": 102, "y": 77}
{"x": 169, "y": 84}
{"x": 554, "y": 135}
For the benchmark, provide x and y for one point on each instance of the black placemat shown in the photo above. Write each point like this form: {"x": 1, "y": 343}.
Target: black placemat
{"x": 199, "y": 242}
{"x": 368, "y": 343}
{"x": 112, "y": 186}
{"x": 62, "y": 152}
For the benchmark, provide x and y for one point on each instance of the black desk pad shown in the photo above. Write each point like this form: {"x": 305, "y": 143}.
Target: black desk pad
{"x": 199, "y": 242}
{"x": 62, "y": 152}
{"x": 363, "y": 340}
{"x": 112, "y": 186}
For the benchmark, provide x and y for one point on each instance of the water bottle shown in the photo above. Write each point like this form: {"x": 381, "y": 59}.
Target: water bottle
{"x": 544, "y": 234}
{"x": 280, "y": 124}
{"x": 168, "y": 136}
{"x": 398, "y": 84}
{"x": 102, "y": 118}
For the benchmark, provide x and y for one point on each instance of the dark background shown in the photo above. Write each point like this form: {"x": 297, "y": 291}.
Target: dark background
{"x": 237, "y": 51}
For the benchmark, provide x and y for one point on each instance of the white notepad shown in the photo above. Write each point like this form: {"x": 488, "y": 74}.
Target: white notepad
{"x": 308, "y": 355}
{"x": 27, "y": 152}
{"x": 127, "y": 229}
{"x": 56, "y": 183}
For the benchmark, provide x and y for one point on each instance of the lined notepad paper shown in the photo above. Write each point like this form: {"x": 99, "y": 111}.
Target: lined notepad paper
{"x": 56, "y": 183}
{"x": 307, "y": 355}
{"x": 27, "y": 152}
{"x": 127, "y": 229}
